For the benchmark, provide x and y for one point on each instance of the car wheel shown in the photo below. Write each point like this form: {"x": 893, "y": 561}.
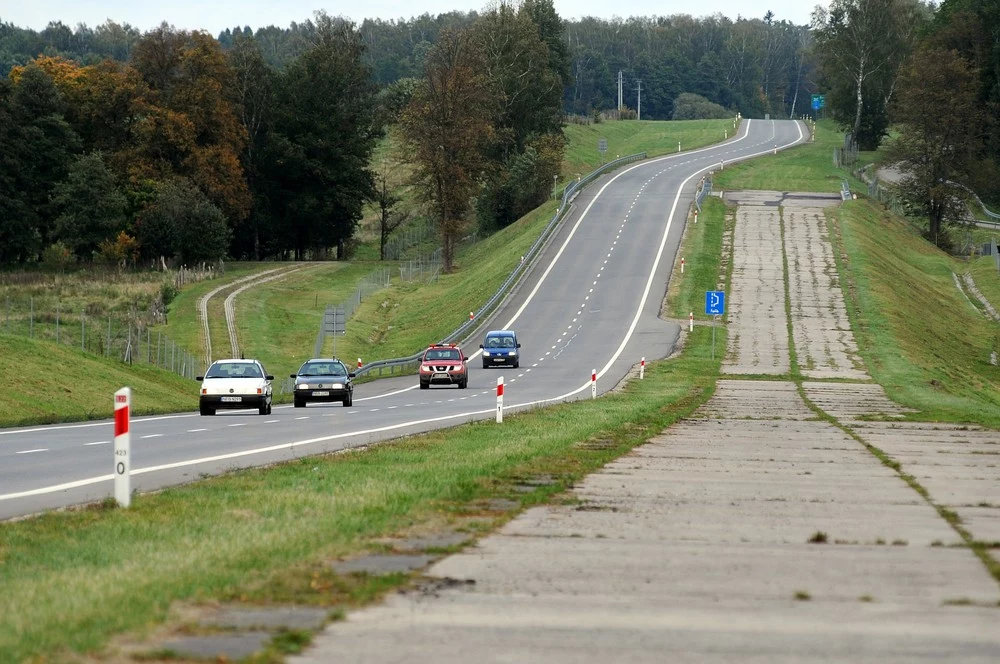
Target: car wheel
{"x": 269, "y": 408}
{"x": 517, "y": 364}
{"x": 424, "y": 384}
{"x": 464, "y": 384}
{"x": 349, "y": 400}
{"x": 486, "y": 365}
{"x": 206, "y": 411}
{"x": 300, "y": 404}
{"x": 264, "y": 410}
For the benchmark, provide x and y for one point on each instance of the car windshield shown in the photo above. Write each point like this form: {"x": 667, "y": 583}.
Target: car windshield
{"x": 498, "y": 341}
{"x": 234, "y": 370}
{"x": 443, "y": 354}
{"x": 322, "y": 369}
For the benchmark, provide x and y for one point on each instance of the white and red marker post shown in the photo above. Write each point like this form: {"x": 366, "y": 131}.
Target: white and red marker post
{"x": 471, "y": 315}
{"x": 123, "y": 404}
{"x": 696, "y": 216}
{"x": 593, "y": 383}
{"x": 499, "y": 399}
{"x": 642, "y": 369}
{"x": 682, "y": 265}
{"x": 359, "y": 363}
{"x": 691, "y": 322}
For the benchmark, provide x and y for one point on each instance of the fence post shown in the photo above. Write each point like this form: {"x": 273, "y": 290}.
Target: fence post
{"x": 57, "y": 323}
{"x": 83, "y": 330}
{"x": 107, "y": 349}
{"x": 147, "y": 345}
{"x": 158, "y": 333}
{"x": 173, "y": 356}
{"x": 31, "y": 319}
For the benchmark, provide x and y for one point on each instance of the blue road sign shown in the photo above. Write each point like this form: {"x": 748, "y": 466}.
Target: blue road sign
{"x": 715, "y": 302}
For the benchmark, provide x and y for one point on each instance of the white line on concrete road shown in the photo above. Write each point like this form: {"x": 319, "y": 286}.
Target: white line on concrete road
{"x": 41, "y": 449}
{"x": 99, "y": 442}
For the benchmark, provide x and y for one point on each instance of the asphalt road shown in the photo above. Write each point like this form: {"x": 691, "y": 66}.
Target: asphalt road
{"x": 590, "y": 302}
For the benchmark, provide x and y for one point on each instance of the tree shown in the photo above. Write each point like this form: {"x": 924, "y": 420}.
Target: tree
{"x": 89, "y": 206}
{"x": 389, "y": 218}
{"x": 46, "y": 146}
{"x": 940, "y": 122}
{"x": 254, "y": 90}
{"x": 863, "y": 44}
{"x": 192, "y": 129}
{"x": 446, "y": 126}
{"x": 320, "y": 144}
{"x": 183, "y": 222}
{"x": 689, "y": 106}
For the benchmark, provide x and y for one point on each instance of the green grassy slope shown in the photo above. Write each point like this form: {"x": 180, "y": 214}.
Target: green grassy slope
{"x": 45, "y": 382}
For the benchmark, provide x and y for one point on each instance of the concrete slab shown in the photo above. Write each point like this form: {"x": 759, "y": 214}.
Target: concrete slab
{"x": 269, "y": 618}
{"x": 217, "y": 647}
{"x": 758, "y": 335}
{"x": 821, "y": 330}
{"x": 852, "y": 400}
{"x": 383, "y": 564}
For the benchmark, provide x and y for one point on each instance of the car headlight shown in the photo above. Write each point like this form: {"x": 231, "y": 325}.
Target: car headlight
{"x": 302, "y": 386}
{"x": 425, "y": 367}
{"x": 512, "y": 353}
{"x": 486, "y": 353}
{"x": 337, "y": 386}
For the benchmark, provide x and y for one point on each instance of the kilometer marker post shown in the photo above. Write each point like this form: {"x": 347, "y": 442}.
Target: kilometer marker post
{"x": 499, "y": 399}
{"x": 123, "y": 443}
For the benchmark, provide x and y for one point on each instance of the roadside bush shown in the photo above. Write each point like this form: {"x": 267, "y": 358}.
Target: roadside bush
{"x": 58, "y": 256}
{"x": 689, "y": 106}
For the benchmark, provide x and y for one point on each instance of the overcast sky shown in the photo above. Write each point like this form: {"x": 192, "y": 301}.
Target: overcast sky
{"x": 216, "y": 15}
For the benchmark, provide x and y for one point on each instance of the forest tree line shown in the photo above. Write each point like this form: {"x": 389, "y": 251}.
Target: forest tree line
{"x": 120, "y": 145}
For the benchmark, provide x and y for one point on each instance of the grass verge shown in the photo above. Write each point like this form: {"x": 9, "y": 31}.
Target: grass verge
{"x": 627, "y": 137}
{"x": 918, "y": 335}
{"x": 807, "y": 167}
{"x": 72, "y": 580}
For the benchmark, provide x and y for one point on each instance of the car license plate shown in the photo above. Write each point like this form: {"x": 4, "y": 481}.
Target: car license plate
{"x": 441, "y": 374}
{"x": 233, "y": 399}
{"x": 498, "y": 359}
{"x": 321, "y": 394}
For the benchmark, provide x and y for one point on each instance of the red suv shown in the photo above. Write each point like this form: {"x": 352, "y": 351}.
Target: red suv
{"x": 444, "y": 364}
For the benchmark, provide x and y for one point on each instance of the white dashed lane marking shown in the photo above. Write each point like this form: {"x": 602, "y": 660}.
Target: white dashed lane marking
{"x": 157, "y": 435}
{"x": 196, "y": 430}
{"x": 40, "y": 449}
{"x": 99, "y": 442}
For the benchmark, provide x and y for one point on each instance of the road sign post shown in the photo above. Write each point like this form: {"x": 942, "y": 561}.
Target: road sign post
{"x": 123, "y": 404}
{"x": 715, "y": 306}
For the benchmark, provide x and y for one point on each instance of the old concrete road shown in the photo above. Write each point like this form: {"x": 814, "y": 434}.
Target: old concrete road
{"x": 754, "y": 531}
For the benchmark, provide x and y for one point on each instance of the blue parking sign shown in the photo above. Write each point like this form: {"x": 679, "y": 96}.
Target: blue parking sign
{"x": 715, "y": 302}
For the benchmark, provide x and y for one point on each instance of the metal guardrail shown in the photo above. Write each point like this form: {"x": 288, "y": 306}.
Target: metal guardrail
{"x": 466, "y": 329}
{"x": 989, "y": 213}
{"x": 704, "y": 189}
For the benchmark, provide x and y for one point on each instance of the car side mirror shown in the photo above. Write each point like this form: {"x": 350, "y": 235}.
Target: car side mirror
{"x": 519, "y": 345}
{"x": 269, "y": 377}
{"x": 482, "y": 346}
{"x": 199, "y": 378}
{"x": 292, "y": 375}
{"x": 351, "y": 375}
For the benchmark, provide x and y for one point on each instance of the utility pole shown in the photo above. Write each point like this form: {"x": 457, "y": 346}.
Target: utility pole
{"x": 619, "y": 90}
{"x": 638, "y": 111}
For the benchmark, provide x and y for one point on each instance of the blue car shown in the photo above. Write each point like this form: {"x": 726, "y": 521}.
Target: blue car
{"x": 501, "y": 348}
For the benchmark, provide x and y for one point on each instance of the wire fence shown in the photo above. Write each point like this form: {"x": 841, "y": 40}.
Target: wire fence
{"x": 108, "y": 335}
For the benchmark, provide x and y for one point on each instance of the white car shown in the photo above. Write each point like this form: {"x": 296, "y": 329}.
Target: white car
{"x": 235, "y": 384}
